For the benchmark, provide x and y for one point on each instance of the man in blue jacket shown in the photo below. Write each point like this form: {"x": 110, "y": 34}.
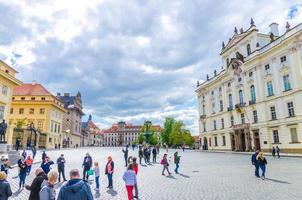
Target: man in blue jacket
{"x": 75, "y": 188}
{"x": 255, "y": 163}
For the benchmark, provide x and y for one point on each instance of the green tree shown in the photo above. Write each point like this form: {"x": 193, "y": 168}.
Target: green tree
{"x": 141, "y": 138}
{"x": 167, "y": 131}
{"x": 147, "y": 131}
{"x": 153, "y": 139}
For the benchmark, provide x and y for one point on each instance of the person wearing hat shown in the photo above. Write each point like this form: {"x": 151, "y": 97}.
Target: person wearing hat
{"x": 5, "y": 190}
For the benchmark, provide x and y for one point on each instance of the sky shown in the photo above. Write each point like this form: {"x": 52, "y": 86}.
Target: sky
{"x": 131, "y": 60}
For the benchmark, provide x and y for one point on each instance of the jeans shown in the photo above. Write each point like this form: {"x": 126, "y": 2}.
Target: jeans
{"x": 154, "y": 158}
{"x": 85, "y": 173}
{"x": 61, "y": 171}
{"x": 22, "y": 177}
{"x": 257, "y": 170}
{"x": 176, "y": 169}
{"x": 28, "y": 170}
{"x": 129, "y": 191}
{"x": 165, "y": 168}
{"x": 110, "y": 181}
{"x": 97, "y": 182}
{"x": 263, "y": 169}
{"x": 126, "y": 161}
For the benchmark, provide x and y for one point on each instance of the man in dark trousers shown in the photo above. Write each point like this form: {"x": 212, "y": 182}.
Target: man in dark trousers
{"x": 255, "y": 163}
{"x": 46, "y": 165}
{"x": 61, "y": 167}
{"x": 87, "y": 163}
{"x": 43, "y": 156}
{"x": 125, "y": 151}
{"x": 35, "y": 186}
{"x": 154, "y": 152}
{"x": 278, "y": 151}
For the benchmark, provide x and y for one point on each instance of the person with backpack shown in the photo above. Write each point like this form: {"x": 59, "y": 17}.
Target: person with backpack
{"x": 87, "y": 164}
{"x": 262, "y": 162}
{"x": 130, "y": 180}
{"x": 154, "y": 153}
{"x": 75, "y": 188}
{"x": 176, "y": 161}
{"x": 5, "y": 189}
{"x": 48, "y": 190}
{"x": 165, "y": 164}
{"x": 109, "y": 169}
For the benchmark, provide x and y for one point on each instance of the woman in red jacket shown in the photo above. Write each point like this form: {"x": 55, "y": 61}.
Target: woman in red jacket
{"x": 109, "y": 171}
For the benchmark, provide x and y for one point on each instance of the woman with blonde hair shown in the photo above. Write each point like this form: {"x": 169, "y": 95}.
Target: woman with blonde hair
{"x": 262, "y": 163}
{"x": 5, "y": 190}
{"x": 48, "y": 191}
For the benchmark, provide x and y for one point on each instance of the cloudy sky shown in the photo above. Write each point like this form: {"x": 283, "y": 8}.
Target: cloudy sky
{"x": 131, "y": 60}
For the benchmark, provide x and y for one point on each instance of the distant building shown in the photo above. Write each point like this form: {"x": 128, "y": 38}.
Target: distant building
{"x": 91, "y": 134}
{"x": 33, "y": 105}
{"x": 72, "y": 119}
{"x": 254, "y": 101}
{"x": 121, "y": 133}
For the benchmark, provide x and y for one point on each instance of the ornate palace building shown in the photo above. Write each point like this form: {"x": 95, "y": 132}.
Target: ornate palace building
{"x": 122, "y": 134}
{"x": 253, "y": 102}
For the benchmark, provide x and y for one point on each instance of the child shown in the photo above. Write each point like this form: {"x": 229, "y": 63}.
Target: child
{"x": 176, "y": 161}
{"x": 97, "y": 175}
{"x": 135, "y": 168}
{"x": 165, "y": 164}
{"x": 130, "y": 180}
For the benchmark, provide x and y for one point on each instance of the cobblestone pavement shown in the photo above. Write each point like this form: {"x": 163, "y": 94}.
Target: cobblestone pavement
{"x": 208, "y": 176}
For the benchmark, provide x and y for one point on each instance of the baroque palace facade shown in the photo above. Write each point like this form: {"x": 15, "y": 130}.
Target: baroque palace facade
{"x": 254, "y": 102}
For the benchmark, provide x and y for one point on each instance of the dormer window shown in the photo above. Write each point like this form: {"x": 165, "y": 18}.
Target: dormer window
{"x": 250, "y": 74}
{"x": 283, "y": 59}
{"x": 266, "y": 67}
{"x": 248, "y": 49}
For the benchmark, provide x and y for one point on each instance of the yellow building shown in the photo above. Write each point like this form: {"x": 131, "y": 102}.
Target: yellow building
{"x": 37, "y": 116}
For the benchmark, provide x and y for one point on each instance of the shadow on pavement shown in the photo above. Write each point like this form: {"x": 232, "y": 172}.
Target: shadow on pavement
{"x": 97, "y": 195}
{"x": 185, "y": 176}
{"x": 170, "y": 176}
{"x": 112, "y": 192}
{"x": 15, "y": 194}
{"x": 143, "y": 165}
{"x": 277, "y": 181}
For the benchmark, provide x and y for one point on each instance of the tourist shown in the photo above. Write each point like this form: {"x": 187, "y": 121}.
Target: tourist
{"x": 133, "y": 147}
{"x": 96, "y": 170}
{"x": 48, "y": 190}
{"x": 183, "y": 147}
{"x": 109, "y": 171}
{"x": 154, "y": 153}
{"x": 130, "y": 180}
{"x": 61, "y": 167}
{"x": 135, "y": 168}
{"x": 29, "y": 162}
{"x": 273, "y": 151}
{"x": 34, "y": 152}
{"x": 22, "y": 172}
{"x": 17, "y": 144}
{"x": 262, "y": 163}
{"x": 35, "y": 186}
{"x": 165, "y": 164}
{"x": 157, "y": 148}
{"x": 140, "y": 154}
{"x": 146, "y": 155}
{"x": 43, "y": 156}
{"x": 255, "y": 163}
{"x": 24, "y": 154}
{"x": 278, "y": 151}
{"x": 75, "y": 188}
{"x": 176, "y": 161}
{"x": 46, "y": 164}
{"x": 4, "y": 164}
{"x": 5, "y": 190}
{"x": 125, "y": 151}
{"x": 87, "y": 164}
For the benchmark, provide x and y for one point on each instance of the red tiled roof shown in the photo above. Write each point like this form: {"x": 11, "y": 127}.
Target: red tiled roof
{"x": 31, "y": 89}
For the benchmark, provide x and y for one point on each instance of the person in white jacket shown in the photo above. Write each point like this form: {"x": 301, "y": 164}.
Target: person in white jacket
{"x": 130, "y": 180}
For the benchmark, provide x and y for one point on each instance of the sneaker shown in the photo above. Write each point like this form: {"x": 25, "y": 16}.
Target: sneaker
{"x": 163, "y": 174}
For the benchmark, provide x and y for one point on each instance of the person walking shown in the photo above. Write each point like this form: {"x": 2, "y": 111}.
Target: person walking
{"x": 24, "y": 154}
{"x": 255, "y": 163}
{"x": 5, "y": 189}
{"x": 129, "y": 178}
{"x": 87, "y": 163}
{"x": 165, "y": 164}
{"x": 43, "y": 156}
{"x": 125, "y": 151}
{"x": 154, "y": 153}
{"x": 109, "y": 171}
{"x": 96, "y": 170}
{"x": 48, "y": 190}
{"x": 262, "y": 163}
{"x": 29, "y": 162}
{"x": 22, "y": 172}
{"x": 17, "y": 144}
{"x": 273, "y": 151}
{"x": 176, "y": 161}
{"x": 278, "y": 151}
{"x": 135, "y": 168}
{"x": 34, "y": 152}
{"x": 75, "y": 188}
{"x": 35, "y": 186}
{"x": 140, "y": 154}
{"x": 61, "y": 167}
{"x": 46, "y": 164}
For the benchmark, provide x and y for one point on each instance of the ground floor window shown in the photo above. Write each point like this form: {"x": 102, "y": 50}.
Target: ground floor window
{"x": 223, "y": 140}
{"x": 216, "y": 143}
{"x": 294, "y": 135}
{"x": 276, "y": 136}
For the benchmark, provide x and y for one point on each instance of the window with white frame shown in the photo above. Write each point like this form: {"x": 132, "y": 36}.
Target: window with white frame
{"x": 290, "y": 108}
{"x": 273, "y": 113}
{"x": 4, "y": 89}
{"x": 276, "y": 136}
{"x": 294, "y": 135}
{"x": 286, "y": 83}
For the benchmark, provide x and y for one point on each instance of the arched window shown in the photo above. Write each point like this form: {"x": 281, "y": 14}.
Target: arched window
{"x": 227, "y": 62}
{"x": 248, "y": 49}
{"x": 230, "y": 101}
{"x": 253, "y": 93}
{"x": 240, "y": 97}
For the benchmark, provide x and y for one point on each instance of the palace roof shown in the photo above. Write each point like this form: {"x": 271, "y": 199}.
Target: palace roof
{"x": 31, "y": 89}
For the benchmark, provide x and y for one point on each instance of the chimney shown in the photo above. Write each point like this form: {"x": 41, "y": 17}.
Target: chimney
{"x": 33, "y": 82}
{"x": 274, "y": 29}
{"x": 58, "y": 94}
{"x": 66, "y": 94}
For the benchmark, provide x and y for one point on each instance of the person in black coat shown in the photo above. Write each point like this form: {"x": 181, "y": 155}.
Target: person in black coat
{"x": 154, "y": 153}
{"x": 5, "y": 190}
{"x": 125, "y": 151}
{"x": 61, "y": 167}
{"x": 255, "y": 163}
{"x": 35, "y": 186}
{"x": 87, "y": 163}
{"x": 46, "y": 165}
